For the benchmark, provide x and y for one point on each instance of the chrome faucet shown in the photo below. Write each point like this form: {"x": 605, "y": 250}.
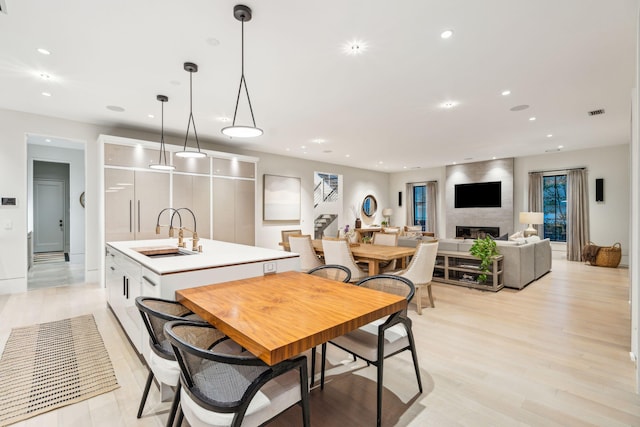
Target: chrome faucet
{"x": 195, "y": 246}
{"x": 171, "y": 232}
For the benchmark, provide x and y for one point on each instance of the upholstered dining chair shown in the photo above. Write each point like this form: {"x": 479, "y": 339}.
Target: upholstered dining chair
{"x": 381, "y": 338}
{"x": 163, "y": 366}
{"x": 302, "y": 245}
{"x": 386, "y": 239}
{"x": 285, "y": 236}
{"x": 224, "y": 389}
{"x": 339, "y": 273}
{"x": 338, "y": 252}
{"x": 420, "y": 271}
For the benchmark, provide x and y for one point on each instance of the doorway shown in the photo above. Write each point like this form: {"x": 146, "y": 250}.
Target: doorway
{"x": 55, "y": 213}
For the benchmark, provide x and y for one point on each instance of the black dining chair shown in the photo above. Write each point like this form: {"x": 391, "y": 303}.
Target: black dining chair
{"x": 224, "y": 389}
{"x": 336, "y": 272}
{"x": 382, "y": 338}
{"x": 155, "y": 313}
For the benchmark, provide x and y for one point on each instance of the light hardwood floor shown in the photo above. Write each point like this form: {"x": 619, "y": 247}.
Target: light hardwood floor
{"x": 553, "y": 354}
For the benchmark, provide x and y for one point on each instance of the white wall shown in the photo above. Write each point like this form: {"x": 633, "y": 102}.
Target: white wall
{"x": 13, "y": 183}
{"x": 75, "y": 158}
{"x": 356, "y": 183}
{"x": 609, "y": 220}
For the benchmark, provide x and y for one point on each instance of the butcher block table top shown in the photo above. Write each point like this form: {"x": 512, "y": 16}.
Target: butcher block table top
{"x": 281, "y": 315}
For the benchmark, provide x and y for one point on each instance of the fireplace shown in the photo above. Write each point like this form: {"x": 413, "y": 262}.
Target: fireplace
{"x": 467, "y": 232}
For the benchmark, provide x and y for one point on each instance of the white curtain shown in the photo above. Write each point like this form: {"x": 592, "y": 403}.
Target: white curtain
{"x": 577, "y": 213}
{"x": 535, "y": 197}
{"x": 409, "y": 203}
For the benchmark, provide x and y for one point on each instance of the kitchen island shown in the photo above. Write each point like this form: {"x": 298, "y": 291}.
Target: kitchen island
{"x": 130, "y": 273}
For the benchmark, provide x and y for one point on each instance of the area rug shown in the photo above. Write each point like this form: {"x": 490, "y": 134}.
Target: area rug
{"x": 50, "y": 365}
{"x": 48, "y": 257}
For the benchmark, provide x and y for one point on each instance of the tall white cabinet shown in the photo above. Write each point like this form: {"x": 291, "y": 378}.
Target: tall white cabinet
{"x": 219, "y": 190}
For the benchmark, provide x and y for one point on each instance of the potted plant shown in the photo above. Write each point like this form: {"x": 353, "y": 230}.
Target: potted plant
{"x": 485, "y": 249}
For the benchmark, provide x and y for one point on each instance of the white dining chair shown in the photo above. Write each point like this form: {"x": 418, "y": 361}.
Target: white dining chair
{"x": 420, "y": 271}
{"x": 338, "y": 252}
{"x": 302, "y": 245}
{"x": 386, "y": 239}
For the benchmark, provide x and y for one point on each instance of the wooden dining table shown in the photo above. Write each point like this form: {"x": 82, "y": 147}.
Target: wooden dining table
{"x": 278, "y": 316}
{"x": 374, "y": 254}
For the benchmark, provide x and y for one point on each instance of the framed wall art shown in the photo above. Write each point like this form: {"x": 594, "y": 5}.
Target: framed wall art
{"x": 281, "y": 198}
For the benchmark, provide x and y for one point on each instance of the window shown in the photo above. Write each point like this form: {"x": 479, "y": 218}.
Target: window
{"x": 554, "y": 199}
{"x": 420, "y": 205}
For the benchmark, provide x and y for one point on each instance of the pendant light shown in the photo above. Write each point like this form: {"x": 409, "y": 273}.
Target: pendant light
{"x": 243, "y": 14}
{"x": 191, "y": 68}
{"x": 162, "y": 165}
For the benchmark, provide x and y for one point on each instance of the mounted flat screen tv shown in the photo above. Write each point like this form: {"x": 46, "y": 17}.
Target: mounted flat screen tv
{"x": 479, "y": 195}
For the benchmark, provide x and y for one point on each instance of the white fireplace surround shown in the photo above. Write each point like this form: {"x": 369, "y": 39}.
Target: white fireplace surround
{"x": 492, "y": 170}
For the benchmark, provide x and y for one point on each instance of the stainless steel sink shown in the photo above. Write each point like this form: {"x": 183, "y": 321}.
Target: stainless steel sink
{"x": 163, "y": 252}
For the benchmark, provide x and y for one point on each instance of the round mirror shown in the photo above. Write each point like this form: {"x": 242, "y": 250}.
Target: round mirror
{"x": 369, "y": 205}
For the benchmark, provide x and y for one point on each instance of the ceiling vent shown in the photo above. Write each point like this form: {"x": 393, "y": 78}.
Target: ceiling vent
{"x": 596, "y": 112}
{"x": 3, "y": 6}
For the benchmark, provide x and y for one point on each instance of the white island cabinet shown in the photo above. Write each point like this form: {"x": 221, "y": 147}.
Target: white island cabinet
{"x": 129, "y": 273}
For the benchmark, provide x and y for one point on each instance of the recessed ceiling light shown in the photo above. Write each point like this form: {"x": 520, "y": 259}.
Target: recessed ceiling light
{"x": 151, "y": 116}
{"x": 446, "y": 34}
{"x": 380, "y": 162}
{"x": 455, "y": 163}
{"x": 449, "y": 104}
{"x": 347, "y": 155}
{"x": 506, "y": 92}
{"x": 404, "y": 167}
{"x": 303, "y": 147}
{"x": 45, "y": 76}
{"x": 287, "y": 149}
{"x": 318, "y": 141}
{"x": 560, "y": 146}
{"x": 223, "y": 119}
{"x": 44, "y": 51}
{"x": 531, "y": 119}
{"x": 355, "y": 47}
{"x": 115, "y": 108}
{"x": 494, "y": 157}
{"x": 47, "y": 140}
{"x": 549, "y": 135}
{"x": 46, "y": 94}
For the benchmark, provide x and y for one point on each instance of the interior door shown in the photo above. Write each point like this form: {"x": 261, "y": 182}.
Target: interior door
{"x": 48, "y": 204}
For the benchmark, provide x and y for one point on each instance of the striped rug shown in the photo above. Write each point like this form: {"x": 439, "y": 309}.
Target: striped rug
{"x": 50, "y": 365}
{"x": 42, "y": 257}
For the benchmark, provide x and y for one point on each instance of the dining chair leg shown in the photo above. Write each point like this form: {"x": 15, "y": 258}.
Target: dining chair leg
{"x": 145, "y": 393}
{"x": 418, "y": 299}
{"x": 174, "y": 406}
{"x": 430, "y": 295}
{"x": 414, "y": 356}
{"x": 313, "y": 366}
{"x": 323, "y": 365}
{"x": 380, "y": 365}
{"x": 179, "y": 418}
{"x": 304, "y": 395}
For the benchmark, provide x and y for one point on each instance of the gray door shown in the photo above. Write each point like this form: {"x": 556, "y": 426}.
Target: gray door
{"x": 48, "y": 216}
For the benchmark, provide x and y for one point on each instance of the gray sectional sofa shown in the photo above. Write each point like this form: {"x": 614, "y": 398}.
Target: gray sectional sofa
{"x": 523, "y": 262}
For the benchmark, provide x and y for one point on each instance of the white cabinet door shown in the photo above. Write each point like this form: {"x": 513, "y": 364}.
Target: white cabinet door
{"x": 119, "y": 197}
{"x": 151, "y": 196}
{"x": 234, "y": 210}
{"x": 245, "y": 226}
{"x": 193, "y": 192}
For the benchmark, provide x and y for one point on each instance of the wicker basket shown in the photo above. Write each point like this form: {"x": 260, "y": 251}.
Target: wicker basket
{"x": 609, "y": 256}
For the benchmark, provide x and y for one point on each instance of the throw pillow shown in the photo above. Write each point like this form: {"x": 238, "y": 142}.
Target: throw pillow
{"x": 516, "y": 235}
{"x": 531, "y": 239}
{"x": 505, "y": 236}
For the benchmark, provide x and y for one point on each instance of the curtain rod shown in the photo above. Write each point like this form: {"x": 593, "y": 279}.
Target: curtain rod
{"x": 558, "y": 170}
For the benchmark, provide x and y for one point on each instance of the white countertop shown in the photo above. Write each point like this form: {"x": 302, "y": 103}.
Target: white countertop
{"x": 214, "y": 254}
